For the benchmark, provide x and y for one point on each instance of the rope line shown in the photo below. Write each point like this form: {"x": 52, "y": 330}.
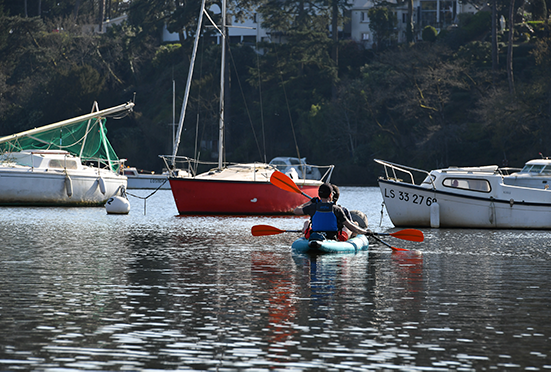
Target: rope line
{"x": 148, "y": 196}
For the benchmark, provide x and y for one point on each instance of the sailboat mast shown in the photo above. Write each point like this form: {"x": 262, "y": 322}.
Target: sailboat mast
{"x": 176, "y": 142}
{"x": 222, "y": 85}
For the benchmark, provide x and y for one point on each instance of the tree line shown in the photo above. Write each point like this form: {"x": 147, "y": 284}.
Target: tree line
{"x": 470, "y": 95}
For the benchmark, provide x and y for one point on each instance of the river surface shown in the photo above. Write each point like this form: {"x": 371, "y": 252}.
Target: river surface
{"x": 84, "y": 290}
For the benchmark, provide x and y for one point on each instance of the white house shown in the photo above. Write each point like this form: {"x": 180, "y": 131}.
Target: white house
{"x": 440, "y": 14}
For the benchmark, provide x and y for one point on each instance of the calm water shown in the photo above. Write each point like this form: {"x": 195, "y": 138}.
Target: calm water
{"x": 83, "y": 290}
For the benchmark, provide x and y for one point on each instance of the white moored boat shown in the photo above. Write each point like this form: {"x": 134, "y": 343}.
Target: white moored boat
{"x": 470, "y": 197}
{"x": 144, "y": 180}
{"x": 69, "y": 163}
{"x": 535, "y": 173}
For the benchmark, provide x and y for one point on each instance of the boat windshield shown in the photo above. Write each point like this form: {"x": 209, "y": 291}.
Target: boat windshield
{"x": 467, "y": 184}
{"x": 279, "y": 164}
{"x": 537, "y": 169}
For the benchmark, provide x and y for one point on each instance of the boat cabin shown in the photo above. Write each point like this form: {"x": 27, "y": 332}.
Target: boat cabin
{"x": 43, "y": 159}
{"x": 535, "y": 174}
{"x": 296, "y": 168}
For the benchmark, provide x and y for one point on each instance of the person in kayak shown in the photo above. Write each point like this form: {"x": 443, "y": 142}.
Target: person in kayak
{"x": 334, "y": 198}
{"x": 326, "y": 217}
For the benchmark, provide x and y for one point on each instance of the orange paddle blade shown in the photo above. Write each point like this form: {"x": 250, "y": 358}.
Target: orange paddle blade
{"x": 284, "y": 182}
{"x": 262, "y": 230}
{"x": 409, "y": 234}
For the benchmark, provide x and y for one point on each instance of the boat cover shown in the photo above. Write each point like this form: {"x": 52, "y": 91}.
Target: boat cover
{"x": 84, "y": 136}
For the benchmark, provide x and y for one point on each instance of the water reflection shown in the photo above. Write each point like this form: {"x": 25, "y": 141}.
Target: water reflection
{"x": 83, "y": 290}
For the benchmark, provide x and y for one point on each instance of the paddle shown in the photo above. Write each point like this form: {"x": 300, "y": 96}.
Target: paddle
{"x": 262, "y": 230}
{"x": 413, "y": 235}
{"x": 284, "y": 182}
{"x": 388, "y": 245}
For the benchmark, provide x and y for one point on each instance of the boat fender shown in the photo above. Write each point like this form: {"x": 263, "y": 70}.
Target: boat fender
{"x": 117, "y": 205}
{"x": 434, "y": 215}
{"x": 101, "y": 183}
{"x": 69, "y": 186}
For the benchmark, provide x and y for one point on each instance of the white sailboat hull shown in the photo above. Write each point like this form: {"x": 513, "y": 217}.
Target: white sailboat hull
{"x": 57, "y": 178}
{"x": 27, "y": 187}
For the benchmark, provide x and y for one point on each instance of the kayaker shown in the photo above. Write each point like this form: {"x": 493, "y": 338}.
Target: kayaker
{"x": 326, "y": 217}
{"x": 335, "y": 197}
{"x": 345, "y": 232}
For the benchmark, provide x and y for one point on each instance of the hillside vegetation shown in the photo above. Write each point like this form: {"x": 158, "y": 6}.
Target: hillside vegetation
{"x": 426, "y": 104}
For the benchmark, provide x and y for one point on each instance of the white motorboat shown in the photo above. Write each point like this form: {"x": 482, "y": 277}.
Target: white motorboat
{"x": 146, "y": 180}
{"x": 469, "y": 197}
{"x": 69, "y": 163}
{"x": 535, "y": 173}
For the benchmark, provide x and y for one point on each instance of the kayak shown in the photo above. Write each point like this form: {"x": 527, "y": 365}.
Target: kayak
{"x": 356, "y": 244}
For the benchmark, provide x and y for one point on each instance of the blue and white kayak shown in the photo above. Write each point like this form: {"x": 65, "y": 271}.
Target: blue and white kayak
{"x": 356, "y": 244}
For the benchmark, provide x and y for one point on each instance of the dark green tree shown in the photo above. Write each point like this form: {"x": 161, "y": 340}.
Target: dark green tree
{"x": 538, "y": 8}
{"x": 383, "y": 23}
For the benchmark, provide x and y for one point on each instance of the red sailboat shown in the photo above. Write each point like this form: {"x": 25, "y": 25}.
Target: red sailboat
{"x": 238, "y": 189}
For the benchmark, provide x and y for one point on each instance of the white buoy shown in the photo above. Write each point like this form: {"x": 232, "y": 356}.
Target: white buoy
{"x": 117, "y": 205}
{"x": 434, "y": 215}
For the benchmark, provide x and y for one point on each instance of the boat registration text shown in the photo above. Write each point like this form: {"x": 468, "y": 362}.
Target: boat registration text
{"x": 408, "y": 197}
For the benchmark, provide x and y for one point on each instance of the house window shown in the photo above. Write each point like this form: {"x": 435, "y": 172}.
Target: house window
{"x": 364, "y": 17}
{"x": 365, "y": 37}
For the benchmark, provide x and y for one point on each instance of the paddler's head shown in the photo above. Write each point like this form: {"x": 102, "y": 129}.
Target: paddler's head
{"x": 325, "y": 190}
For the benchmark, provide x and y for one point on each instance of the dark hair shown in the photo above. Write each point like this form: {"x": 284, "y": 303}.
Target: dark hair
{"x": 325, "y": 190}
{"x": 336, "y": 192}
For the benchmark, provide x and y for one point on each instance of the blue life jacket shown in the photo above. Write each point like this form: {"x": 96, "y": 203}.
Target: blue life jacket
{"x": 324, "y": 219}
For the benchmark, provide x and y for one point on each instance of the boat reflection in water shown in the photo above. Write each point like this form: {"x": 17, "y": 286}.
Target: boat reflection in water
{"x": 472, "y": 197}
